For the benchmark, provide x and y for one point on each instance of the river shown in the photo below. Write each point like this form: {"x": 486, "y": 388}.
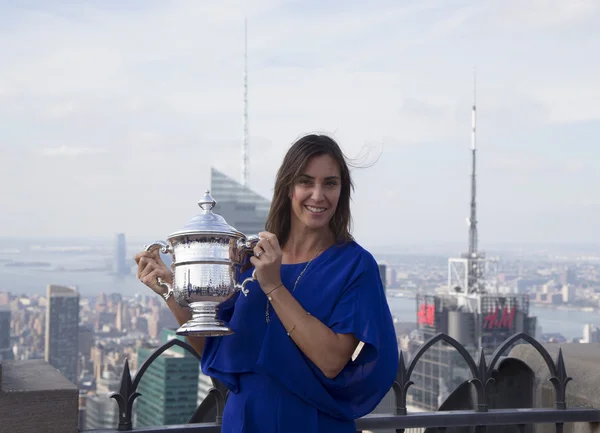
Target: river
{"x": 86, "y": 267}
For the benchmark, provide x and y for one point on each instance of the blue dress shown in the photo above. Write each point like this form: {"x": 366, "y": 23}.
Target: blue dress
{"x": 274, "y": 387}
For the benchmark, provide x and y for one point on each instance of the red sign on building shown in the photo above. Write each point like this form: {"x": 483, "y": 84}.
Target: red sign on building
{"x": 500, "y": 318}
{"x": 426, "y": 315}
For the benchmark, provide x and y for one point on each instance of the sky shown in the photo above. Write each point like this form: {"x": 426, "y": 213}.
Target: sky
{"x": 112, "y": 113}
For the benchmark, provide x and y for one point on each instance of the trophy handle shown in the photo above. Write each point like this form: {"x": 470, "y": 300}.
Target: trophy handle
{"x": 165, "y": 285}
{"x": 247, "y": 246}
{"x": 165, "y": 248}
{"x": 242, "y": 286}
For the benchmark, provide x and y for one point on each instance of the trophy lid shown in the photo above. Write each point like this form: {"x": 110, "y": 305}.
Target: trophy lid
{"x": 207, "y": 222}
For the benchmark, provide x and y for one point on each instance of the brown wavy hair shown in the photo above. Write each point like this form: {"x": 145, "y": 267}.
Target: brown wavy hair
{"x": 294, "y": 162}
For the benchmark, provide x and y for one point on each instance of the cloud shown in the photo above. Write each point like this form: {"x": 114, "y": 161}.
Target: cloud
{"x": 61, "y": 110}
{"x": 524, "y": 164}
{"x": 523, "y": 16}
{"x": 590, "y": 203}
{"x": 154, "y": 93}
{"x": 71, "y": 151}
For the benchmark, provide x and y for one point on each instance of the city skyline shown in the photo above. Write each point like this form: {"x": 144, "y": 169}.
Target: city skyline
{"x": 100, "y": 101}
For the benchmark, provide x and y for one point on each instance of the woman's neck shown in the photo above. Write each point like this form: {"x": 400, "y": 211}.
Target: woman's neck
{"x": 302, "y": 246}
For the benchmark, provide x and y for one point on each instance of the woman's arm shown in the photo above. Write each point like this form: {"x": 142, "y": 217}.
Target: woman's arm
{"x": 328, "y": 350}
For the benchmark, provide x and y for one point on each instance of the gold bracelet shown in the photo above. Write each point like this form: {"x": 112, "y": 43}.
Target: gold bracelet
{"x": 271, "y": 291}
{"x": 294, "y": 327}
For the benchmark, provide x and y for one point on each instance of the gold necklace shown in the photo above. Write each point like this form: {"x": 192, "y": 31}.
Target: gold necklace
{"x": 267, "y": 317}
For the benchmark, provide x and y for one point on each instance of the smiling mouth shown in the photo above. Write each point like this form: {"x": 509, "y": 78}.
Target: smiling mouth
{"x": 316, "y": 209}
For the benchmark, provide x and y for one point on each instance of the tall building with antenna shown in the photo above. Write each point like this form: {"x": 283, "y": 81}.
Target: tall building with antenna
{"x": 470, "y": 310}
{"x": 466, "y": 273}
{"x": 241, "y": 207}
{"x": 474, "y": 270}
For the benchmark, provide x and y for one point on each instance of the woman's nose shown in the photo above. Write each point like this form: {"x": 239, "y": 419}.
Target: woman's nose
{"x": 317, "y": 193}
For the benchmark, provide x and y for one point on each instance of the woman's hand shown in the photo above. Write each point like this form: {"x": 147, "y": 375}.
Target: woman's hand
{"x": 267, "y": 261}
{"x": 150, "y": 267}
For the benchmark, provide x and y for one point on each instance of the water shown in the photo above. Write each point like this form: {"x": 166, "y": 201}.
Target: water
{"x": 28, "y": 266}
{"x": 87, "y": 265}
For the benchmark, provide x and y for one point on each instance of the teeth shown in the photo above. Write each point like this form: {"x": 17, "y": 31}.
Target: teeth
{"x": 315, "y": 209}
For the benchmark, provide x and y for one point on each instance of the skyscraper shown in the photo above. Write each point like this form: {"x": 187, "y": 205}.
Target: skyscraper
{"x": 480, "y": 322}
{"x": 383, "y": 274}
{"x": 591, "y": 334}
{"x": 241, "y": 207}
{"x": 6, "y": 352}
{"x": 62, "y": 330}
{"x": 120, "y": 266}
{"x": 102, "y": 412}
{"x": 469, "y": 312}
{"x": 169, "y": 387}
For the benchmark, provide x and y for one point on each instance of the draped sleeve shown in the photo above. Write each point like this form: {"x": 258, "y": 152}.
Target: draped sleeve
{"x": 351, "y": 301}
{"x": 224, "y": 358}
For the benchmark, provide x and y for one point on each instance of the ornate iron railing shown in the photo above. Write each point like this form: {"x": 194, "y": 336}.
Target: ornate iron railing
{"x": 479, "y": 417}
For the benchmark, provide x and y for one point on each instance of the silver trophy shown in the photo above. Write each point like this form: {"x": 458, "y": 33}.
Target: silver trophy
{"x": 208, "y": 258}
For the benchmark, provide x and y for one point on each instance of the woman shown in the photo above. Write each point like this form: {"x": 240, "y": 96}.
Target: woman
{"x": 292, "y": 366}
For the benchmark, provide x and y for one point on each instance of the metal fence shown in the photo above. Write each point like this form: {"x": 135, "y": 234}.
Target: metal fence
{"x": 208, "y": 416}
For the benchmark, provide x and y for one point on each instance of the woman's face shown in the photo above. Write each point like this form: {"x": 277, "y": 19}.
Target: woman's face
{"x": 316, "y": 192}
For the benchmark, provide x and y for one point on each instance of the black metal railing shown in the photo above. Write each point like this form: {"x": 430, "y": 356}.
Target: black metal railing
{"x": 208, "y": 416}
{"x": 214, "y": 401}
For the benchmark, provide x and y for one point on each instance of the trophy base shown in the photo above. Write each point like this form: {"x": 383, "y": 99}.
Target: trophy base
{"x": 204, "y": 322}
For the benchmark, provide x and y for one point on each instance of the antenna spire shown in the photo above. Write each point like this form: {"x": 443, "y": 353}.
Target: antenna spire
{"x": 245, "y": 138}
{"x": 466, "y": 274}
{"x": 473, "y": 272}
{"x": 474, "y": 118}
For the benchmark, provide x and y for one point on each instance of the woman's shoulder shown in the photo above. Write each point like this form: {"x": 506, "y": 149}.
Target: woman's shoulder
{"x": 357, "y": 269}
{"x": 353, "y": 251}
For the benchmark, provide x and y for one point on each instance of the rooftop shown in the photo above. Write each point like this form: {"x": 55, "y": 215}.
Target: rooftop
{"x": 524, "y": 389}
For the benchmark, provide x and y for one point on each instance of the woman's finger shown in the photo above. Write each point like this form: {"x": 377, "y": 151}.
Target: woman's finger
{"x": 271, "y": 239}
{"x": 258, "y": 251}
{"x": 255, "y": 261}
{"x": 151, "y": 279}
{"x": 266, "y": 246}
{"x": 143, "y": 262}
{"x": 148, "y": 254}
{"x": 150, "y": 266}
